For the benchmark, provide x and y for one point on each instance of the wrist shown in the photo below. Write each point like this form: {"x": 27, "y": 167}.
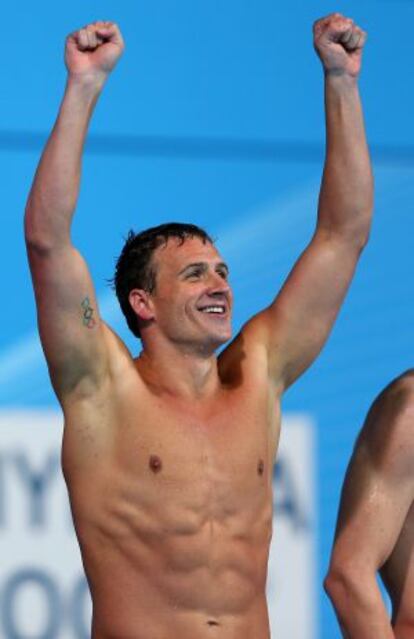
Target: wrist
{"x": 86, "y": 83}
{"x": 341, "y": 83}
{"x": 340, "y": 77}
{"x": 80, "y": 96}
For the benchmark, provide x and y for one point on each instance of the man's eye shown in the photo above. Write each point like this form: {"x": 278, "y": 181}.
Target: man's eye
{"x": 223, "y": 274}
{"x": 194, "y": 274}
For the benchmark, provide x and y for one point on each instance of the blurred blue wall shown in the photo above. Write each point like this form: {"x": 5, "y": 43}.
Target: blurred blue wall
{"x": 215, "y": 116}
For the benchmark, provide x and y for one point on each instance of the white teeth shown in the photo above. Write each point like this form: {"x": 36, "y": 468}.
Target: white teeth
{"x": 213, "y": 309}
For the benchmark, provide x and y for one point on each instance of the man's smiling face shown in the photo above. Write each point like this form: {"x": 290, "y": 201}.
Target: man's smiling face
{"x": 192, "y": 300}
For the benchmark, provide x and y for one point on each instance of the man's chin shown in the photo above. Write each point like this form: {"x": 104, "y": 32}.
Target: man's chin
{"x": 218, "y": 338}
{"x": 218, "y": 328}
{"x": 207, "y": 339}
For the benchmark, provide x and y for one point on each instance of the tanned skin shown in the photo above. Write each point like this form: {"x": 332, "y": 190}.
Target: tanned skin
{"x": 375, "y": 531}
{"x": 168, "y": 457}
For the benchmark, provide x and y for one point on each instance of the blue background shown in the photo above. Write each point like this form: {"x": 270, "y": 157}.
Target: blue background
{"x": 215, "y": 115}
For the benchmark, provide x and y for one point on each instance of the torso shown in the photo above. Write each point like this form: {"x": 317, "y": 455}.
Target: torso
{"x": 398, "y": 577}
{"x": 172, "y": 503}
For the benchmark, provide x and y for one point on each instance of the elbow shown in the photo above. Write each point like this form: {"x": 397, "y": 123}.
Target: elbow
{"x": 363, "y": 222}
{"x": 41, "y": 235}
{"x": 37, "y": 242}
{"x": 341, "y": 584}
{"x": 362, "y": 239}
{"x": 355, "y": 235}
{"x": 364, "y": 231}
{"x": 350, "y": 224}
{"x": 334, "y": 585}
{"x": 358, "y": 231}
{"x": 348, "y": 586}
{"x": 34, "y": 238}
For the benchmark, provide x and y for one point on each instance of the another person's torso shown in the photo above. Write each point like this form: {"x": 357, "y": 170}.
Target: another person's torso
{"x": 172, "y": 502}
{"x": 398, "y": 576}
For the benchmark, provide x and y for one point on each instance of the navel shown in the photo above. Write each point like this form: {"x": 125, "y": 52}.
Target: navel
{"x": 260, "y": 467}
{"x": 155, "y": 463}
{"x": 211, "y": 623}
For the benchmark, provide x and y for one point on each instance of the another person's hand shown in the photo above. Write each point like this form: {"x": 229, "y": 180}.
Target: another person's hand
{"x": 93, "y": 51}
{"x": 339, "y": 43}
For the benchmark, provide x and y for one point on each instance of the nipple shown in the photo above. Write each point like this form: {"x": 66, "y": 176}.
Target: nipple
{"x": 260, "y": 467}
{"x": 155, "y": 463}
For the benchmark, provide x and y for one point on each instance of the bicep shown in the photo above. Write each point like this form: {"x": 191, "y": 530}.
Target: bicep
{"x": 298, "y": 322}
{"x": 374, "y": 503}
{"x": 70, "y": 328}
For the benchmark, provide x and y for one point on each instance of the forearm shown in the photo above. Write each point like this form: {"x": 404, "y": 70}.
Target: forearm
{"x": 55, "y": 189}
{"x": 346, "y": 198}
{"x": 359, "y": 606}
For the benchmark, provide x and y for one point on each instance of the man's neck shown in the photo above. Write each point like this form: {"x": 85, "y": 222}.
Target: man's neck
{"x": 183, "y": 372}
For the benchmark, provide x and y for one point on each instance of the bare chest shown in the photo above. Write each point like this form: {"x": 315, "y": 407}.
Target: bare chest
{"x": 179, "y": 467}
{"x": 179, "y": 446}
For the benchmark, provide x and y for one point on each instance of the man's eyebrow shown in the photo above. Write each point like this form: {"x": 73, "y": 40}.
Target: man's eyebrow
{"x": 203, "y": 265}
{"x": 223, "y": 265}
{"x": 193, "y": 265}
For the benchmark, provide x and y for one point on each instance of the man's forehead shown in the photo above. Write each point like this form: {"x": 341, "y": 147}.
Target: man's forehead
{"x": 194, "y": 249}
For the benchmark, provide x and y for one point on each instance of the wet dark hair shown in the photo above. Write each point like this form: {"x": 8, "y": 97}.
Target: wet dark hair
{"x": 134, "y": 267}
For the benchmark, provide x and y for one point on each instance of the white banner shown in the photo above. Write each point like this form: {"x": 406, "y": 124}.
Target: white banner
{"x": 43, "y": 592}
{"x": 291, "y": 584}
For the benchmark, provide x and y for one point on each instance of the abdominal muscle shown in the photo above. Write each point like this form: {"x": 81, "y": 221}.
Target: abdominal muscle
{"x": 166, "y": 562}
{"x": 165, "y": 604}
{"x": 185, "y": 585}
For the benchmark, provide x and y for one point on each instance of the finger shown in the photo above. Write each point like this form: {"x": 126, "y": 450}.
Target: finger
{"x": 319, "y": 26}
{"x": 92, "y": 37}
{"x": 82, "y": 39}
{"x": 354, "y": 41}
{"x": 364, "y": 36}
{"x": 322, "y": 22}
{"x": 332, "y": 22}
{"x": 110, "y": 31}
{"x": 100, "y": 24}
{"x": 341, "y": 29}
{"x": 344, "y": 37}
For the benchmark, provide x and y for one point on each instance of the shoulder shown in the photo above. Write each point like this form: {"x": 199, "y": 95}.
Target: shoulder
{"x": 396, "y": 400}
{"x": 119, "y": 361}
{"x": 123, "y": 370}
{"x": 402, "y": 386}
{"x": 245, "y": 357}
{"x": 388, "y": 431}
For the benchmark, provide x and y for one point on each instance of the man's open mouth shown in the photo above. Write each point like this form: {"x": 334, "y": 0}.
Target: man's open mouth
{"x": 215, "y": 309}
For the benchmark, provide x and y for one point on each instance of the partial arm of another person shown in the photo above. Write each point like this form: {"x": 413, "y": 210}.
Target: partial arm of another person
{"x": 70, "y": 328}
{"x": 377, "y": 494}
{"x": 296, "y": 325}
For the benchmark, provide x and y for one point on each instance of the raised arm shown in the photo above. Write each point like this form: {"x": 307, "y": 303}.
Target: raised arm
{"x": 71, "y": 332}
{"x": 296, "y": 325}
{"x": 376, "y": 497}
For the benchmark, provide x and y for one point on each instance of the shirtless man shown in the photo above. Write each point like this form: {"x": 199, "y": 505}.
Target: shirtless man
{"x": 169, "y": 457}
{"x": 375, "y": 531}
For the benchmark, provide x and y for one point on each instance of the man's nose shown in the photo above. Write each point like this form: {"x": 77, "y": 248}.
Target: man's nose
{"x": 216, "y": 285}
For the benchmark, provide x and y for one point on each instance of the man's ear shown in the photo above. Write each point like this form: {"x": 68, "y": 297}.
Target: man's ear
{"x": 141, "y": 303}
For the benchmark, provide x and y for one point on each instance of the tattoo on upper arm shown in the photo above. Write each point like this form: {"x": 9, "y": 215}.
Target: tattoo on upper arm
{"x": 88, "y": 319}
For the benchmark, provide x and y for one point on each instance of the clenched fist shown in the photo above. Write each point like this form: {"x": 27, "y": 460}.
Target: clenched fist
{"x": 93, "y": 50}
{"x": 339, "y": 43}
